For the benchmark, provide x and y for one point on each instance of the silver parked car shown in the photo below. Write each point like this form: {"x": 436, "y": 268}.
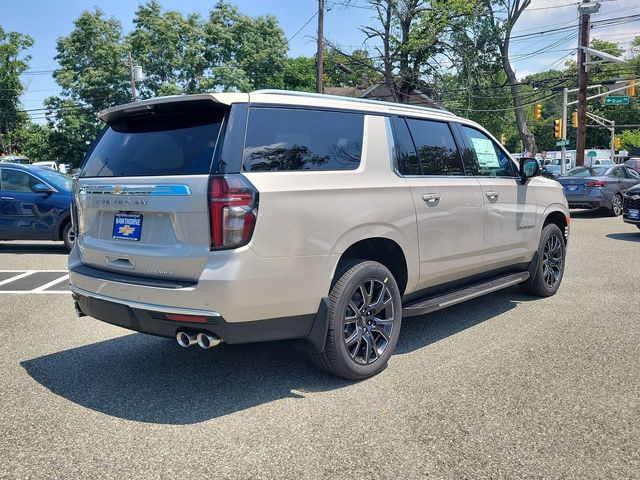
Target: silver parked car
{"x": 598, "y": 187}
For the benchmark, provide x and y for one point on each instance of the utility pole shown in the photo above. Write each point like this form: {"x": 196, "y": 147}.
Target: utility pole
{"x": 320, "y": 54}
{"x": 585, "y": 9}
{"x": 134, "y": 97}
{"x": 563, "y": 150}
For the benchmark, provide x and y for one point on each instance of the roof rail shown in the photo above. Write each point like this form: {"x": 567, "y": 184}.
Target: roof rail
{"x": 352, "y": 99}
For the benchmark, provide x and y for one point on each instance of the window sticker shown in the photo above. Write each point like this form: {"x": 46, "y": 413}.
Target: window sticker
{"x": 485, "y": 152}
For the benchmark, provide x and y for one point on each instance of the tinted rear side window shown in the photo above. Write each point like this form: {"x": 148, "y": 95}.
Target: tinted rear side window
{"x": 436, "y": 147}
{"x": 281, "y": 139}
{"x": 169, "y": 141}
{"x": 406, "y": 157}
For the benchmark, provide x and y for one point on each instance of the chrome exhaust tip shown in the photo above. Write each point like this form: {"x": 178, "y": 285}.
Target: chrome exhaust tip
{"x": 207, "y": 341}
{"x": 186, "y": 339}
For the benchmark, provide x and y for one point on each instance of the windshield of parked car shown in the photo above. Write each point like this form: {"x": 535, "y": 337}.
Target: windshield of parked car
{"x": 58, "y": 180}
{"x": 587, "y": 172}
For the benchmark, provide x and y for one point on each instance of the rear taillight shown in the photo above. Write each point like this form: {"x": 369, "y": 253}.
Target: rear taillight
{"x": 233, "y": 207}
{"x": 597, "y": 183}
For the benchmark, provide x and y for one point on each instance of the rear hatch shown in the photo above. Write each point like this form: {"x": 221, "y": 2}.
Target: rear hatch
{"x": 142, "y": 193}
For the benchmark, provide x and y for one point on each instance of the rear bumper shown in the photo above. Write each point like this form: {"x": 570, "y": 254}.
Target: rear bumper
{"x": 150, "y": 318}
{"x": 595, "y": 199}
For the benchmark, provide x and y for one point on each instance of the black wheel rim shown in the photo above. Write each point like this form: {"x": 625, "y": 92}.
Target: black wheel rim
{"x": 552, "y": 261}
{"x": 368, "y": 322}
{"x": 617, "y": 205}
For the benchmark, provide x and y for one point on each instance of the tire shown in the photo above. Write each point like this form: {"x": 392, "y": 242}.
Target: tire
{"x": 365, "y": 316}
{"x": 550, "y": 269}
{"x": 616, "y": 206}
{"x": 68, "y": 236}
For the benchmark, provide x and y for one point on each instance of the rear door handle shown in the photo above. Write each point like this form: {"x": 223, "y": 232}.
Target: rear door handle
{"x": 6, "y": 198}
{"x": 431, "y": 198}
{"x": 492, "y": 195}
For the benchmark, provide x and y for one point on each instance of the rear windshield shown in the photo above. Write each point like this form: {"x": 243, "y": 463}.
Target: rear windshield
{"x": 169, "y": 140}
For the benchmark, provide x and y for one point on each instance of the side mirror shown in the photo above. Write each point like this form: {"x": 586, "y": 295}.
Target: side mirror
{"x": 529, "y": 167}
{"x": 41, "y": 188}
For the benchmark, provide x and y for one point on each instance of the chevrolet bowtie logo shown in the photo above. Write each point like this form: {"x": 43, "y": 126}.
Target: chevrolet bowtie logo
{"x": 117, "y": 189}
{"x": 126, "y": 230}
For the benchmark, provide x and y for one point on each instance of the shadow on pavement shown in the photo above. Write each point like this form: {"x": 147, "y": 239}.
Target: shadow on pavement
{"x": 53, "y": 248}
{"x": 629, "y": 236}
{"x": 148, "y": 379}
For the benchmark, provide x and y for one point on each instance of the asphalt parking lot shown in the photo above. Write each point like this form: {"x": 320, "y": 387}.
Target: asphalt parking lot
{"x": 504, "y": 386}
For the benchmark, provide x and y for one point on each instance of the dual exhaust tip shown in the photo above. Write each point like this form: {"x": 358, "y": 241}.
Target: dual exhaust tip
{"x": 204, "y": 340}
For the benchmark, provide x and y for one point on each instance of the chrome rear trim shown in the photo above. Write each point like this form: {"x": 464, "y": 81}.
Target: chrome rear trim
{"x": 145, "y": 306}
{"x": 175, "y": 190}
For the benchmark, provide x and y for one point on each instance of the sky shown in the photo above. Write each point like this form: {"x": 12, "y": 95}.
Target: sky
{"x": 45, "y": 21}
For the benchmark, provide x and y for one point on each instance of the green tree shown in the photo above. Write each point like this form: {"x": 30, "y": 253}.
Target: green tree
{"x": 32, "y": 140}
{"x": 12, "y": 64}
{"x": 630, "y": 140}
{"x": 243, "y": 53}
{"x": 170, "y": 49}
{"x": 93, "y": 75}
{"x": 93, "y": 70}
{"x": 411, "y": 33}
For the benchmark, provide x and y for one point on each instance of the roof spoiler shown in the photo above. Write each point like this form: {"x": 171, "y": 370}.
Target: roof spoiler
{"x": 113, "y": 114}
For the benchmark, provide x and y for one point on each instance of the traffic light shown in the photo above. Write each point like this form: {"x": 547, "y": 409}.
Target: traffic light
{"x": 503, "y": 138}
{"x": 537, "y": 111}
{"x": 574, "y": 119}
{"x": 631, "y": 89}
{"x": 616, "y": 143}
{"x": 557, "y": 128}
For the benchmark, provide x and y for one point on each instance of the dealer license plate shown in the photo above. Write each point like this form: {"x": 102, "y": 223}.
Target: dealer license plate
{"x": 127, "y": 226}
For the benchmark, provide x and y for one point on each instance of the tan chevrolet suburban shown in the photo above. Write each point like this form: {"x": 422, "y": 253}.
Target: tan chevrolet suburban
{"x": 276, "y": 215}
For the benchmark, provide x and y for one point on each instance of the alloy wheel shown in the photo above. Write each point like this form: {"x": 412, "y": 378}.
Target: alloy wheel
{"x": 552, "y": 260}
{"x": 617, "y": 205}
{"x": 368, "y": 321}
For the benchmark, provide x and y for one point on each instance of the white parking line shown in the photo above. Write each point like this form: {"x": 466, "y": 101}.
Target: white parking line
{"x": 17, "y": 277}
{"x": 46, "y": 292}
{"x": 50, "y": 284}
{"x": 38, "y": 290}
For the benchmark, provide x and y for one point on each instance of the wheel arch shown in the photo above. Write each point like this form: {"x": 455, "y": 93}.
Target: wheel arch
{"x": 559, "y": 218}
{"x": 382, "y": 250}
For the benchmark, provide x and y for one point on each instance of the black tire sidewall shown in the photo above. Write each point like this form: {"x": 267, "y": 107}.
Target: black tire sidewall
{"x": 613, "y": 208}
{"x": 65, "y": 234}
{"x": 550, "y": 229}
{"x": 364, "y": 271}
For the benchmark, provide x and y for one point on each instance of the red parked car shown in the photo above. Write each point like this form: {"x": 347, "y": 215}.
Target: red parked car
{"x": 633, "y": 163}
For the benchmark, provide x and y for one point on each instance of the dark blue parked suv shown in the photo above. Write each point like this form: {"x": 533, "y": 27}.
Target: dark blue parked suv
{"x": 35, "y": 204}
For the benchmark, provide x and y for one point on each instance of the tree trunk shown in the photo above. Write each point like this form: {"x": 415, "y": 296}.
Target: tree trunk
{"x": 528, "y": 140}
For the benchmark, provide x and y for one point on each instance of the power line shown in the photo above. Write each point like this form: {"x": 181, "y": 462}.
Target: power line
{"x": 302, "y": 27}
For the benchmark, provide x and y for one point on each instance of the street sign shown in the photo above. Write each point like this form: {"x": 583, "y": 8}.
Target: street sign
{"x": 616, "y": 100}
{"x": 592, "y": 153}
{"x": 562, "y": 143}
